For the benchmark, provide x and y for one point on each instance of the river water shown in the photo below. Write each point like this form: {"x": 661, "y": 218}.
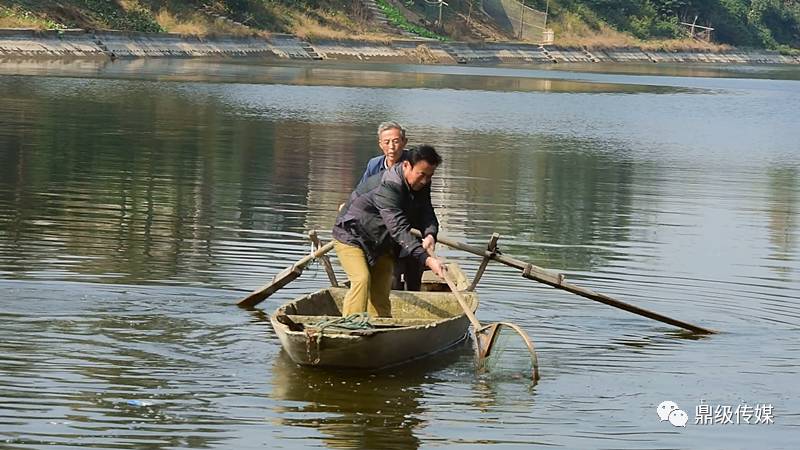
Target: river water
{"x": 139, "y": 200}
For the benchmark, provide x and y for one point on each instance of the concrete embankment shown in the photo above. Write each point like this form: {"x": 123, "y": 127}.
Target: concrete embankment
{"x": 114, "y": 44}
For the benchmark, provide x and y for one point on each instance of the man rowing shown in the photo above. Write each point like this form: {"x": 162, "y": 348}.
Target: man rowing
{"x": 374, "y": 227}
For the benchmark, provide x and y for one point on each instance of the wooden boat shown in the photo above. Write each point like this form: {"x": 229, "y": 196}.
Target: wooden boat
{"x": 422, "y": 323}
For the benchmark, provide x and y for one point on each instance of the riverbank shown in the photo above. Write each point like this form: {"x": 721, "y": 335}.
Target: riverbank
{"x": 16, "y": 43}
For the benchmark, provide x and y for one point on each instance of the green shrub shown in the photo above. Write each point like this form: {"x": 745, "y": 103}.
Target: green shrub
{"x": 139, "y": 19}
{"x": 397, "y": 19}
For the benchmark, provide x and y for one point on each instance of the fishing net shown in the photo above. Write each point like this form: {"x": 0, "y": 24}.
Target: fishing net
{"x": 508, "y": 353}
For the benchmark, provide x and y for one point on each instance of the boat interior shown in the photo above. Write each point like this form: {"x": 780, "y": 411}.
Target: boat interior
{"x": 408, "y": 308}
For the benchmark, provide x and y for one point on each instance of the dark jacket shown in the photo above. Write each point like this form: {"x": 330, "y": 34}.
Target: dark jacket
{"x": 380, "y": 213}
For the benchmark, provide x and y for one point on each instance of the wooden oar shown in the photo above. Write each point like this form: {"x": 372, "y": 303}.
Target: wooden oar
{"x": 463, "y": 302}
{"x": 556, "y": 280}
{"x": 283, "y": 278}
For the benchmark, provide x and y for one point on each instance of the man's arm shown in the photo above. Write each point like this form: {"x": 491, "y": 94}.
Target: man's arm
{"x": 388, "y": 200}
{"x": 429, "y": 224}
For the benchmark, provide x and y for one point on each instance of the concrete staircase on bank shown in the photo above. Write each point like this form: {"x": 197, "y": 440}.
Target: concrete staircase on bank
{"x": 103, "y": 47}
{"x": 453, "y": 53}
{"x": 311, "y": 51}
{"x": 589, "y": 55}
{"x": 207, "y": 10}
{"x": 547, "y": 54}
{"x": 376, "y": 15}
{"x": 378, "y": 18}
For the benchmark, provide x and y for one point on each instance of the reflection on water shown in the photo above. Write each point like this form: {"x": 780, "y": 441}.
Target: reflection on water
{"x": 350, "y": 409}
{"x": 191, "y": 181}
{"x": 105, "y": 365}
{"x": 316, "y": 74}
{"x": 138, "y": 200}
{"x": 765, "y": 71}
{"x": 782, "y": 210}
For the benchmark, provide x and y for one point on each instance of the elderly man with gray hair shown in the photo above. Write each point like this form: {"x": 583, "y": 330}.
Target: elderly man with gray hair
{"x": 392, "y": 142}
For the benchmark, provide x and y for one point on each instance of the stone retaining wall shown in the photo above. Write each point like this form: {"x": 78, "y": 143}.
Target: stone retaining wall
{"x": 48, "y": 43}
{"x": 155, "y": 45}
{"x": 114, "y": 44}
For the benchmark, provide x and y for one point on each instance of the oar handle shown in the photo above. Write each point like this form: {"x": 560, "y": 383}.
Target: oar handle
{"x": 452, "y": 285}
{"x": 460, "y": 297}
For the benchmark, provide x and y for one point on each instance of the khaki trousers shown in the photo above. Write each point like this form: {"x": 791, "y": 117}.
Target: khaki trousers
{"x": 369, "y": 286}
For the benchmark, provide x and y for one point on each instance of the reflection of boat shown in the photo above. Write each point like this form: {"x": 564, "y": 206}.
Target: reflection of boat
{"x": 348, "y": 409}
{"x": 422, "y": 323}
{"x": 356, "y": 409}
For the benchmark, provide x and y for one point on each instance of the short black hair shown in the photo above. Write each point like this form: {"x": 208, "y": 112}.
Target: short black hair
{"x": 424, "y": 153}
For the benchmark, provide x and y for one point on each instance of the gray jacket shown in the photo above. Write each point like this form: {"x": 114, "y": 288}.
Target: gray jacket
{"x": 380, "y": 213}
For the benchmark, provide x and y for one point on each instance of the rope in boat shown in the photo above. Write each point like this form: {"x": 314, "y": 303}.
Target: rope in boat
{"x": 355, "y": 321}
{"x": 315, "y": 332}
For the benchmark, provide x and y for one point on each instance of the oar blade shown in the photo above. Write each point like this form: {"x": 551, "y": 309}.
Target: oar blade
{"x": 285, "y": 277}
{"x": 262, "y": 293}
{"x": 485, "y": 338}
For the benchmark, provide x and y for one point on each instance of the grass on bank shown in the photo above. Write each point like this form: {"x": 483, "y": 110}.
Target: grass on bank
{"x": 336, "y": 20}
{"x": 318, "y": 24}
{"x": 316, "y": 20}
{"x": 199, "y": 24}
{"x": 342, "y": 20}
{"x": 16, "y": 17}
{"x": 571, "y": 31}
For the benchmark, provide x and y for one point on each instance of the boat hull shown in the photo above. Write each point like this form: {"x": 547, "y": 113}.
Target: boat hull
{"x": 422, "y": 324}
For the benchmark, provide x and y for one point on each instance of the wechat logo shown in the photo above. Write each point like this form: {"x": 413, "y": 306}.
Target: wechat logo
{"x": 670, "y": 410}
